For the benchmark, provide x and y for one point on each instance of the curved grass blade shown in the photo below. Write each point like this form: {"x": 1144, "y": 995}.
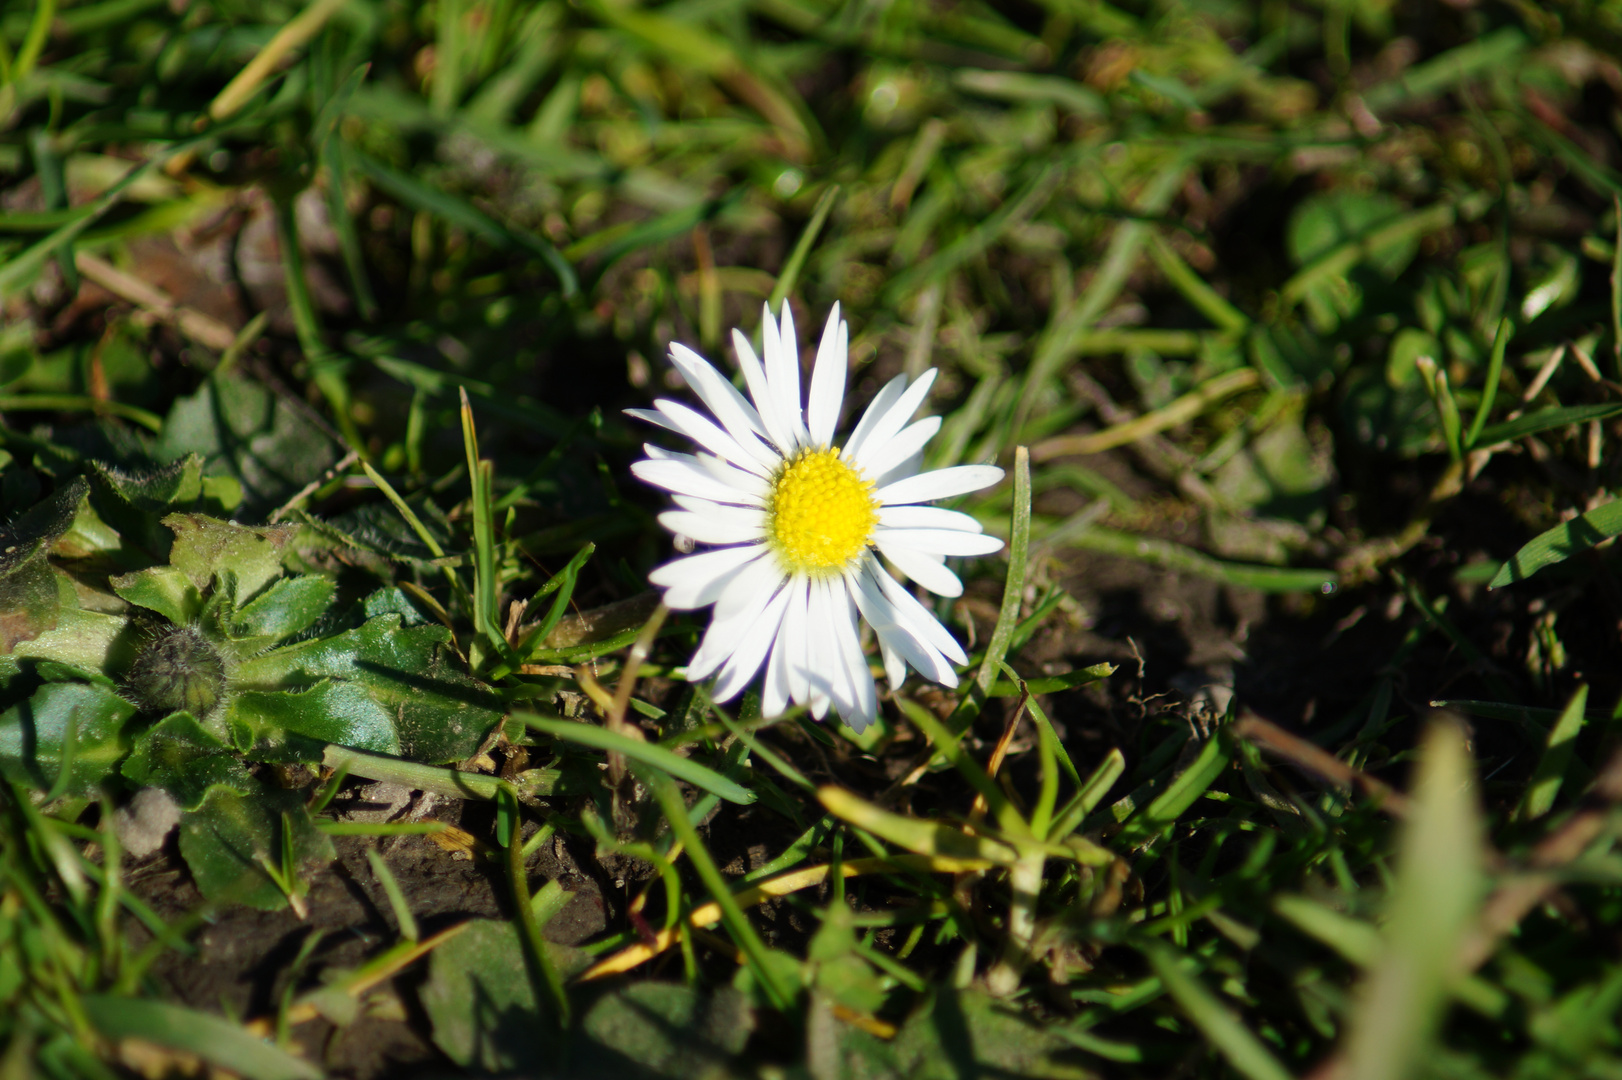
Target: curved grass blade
{"x": 1560, "y": 543}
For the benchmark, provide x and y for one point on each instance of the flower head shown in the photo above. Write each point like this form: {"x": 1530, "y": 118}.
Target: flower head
{"x": 796, "y": 521}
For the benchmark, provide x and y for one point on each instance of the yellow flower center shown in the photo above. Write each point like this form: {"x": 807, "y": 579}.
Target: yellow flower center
{"x": 822, "y": 512}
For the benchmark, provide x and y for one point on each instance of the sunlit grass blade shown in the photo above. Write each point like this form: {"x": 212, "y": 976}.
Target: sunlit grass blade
{"x": 699, "y": 775}
{"x": 1013, "y": 593}
{"x": 1560, "y": 543}
{"x": 921, "y": 837}
{"x": 1438, "y": 889}
{"x": 732, "y": 914}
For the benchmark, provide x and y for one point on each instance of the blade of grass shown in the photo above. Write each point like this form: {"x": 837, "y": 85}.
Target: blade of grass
{"x": 1489, "y": 393}
{"x": 1247, "y": 1054}
{"x": 695, "y": 773}
{"x": 789, "y": 276}
{"x": 212, "y": 1038}
{"x": 1185, "y": 559}
{"x": 1544, "y": 786}
{"x": 732, "y": 914}
{"x": 1013, "y": 592}
{"x": 1439, "y": 887}
{"x": 1180, "y": 411}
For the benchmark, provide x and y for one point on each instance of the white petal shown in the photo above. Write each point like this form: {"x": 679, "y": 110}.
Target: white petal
{"x": 733, "y": 477}
{"x": 927, "y": 517}
{"x": 897, "y": 639}
{"x": 783, "y": 374}
{"x": 916, "y": 617}
{"x": 895, "y": 668}
{"x": 928, "y": 572}
{"x": 656, "y": 418}
{"x": 775, "y": 692}
{"x": 820, "y": 658}
{"x": 794, "y": 642}
{"x": 724, "y": 637}
{"x": 687, "y": 476}
{"x": 939, "y": 484}
{"x": 745, "y": 527}
{"x": 746, "y": 453}
{"x": 758, "y": 578}
{"x": 886, "y": 426}
{"x": 729, "y": 407}
{"x": 741, "y": 600}
{"x": 877, "y": 460}
{"x": 930, "y": 541}
{"x": 862, "y": 705}
{"x": 887, "y": 396}
{"x": 757, "y": 642}
{"x": 909, "y": 467}
{"x": 697, "y": 580}
{"x": 778, "y": 430}
{"x": 828, "y": 380}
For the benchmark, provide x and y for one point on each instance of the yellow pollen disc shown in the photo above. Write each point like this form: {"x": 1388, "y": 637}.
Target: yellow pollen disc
{"x": 823, "y": 512}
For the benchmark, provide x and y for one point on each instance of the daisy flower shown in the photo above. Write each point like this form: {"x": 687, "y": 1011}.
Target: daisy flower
{"x": 796, "y": 522}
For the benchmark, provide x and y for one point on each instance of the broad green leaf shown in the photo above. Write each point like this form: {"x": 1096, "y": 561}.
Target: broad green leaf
{"x": 71, "y": 727}
{"x": 481, "y": 1002}
{"x": 439, "y": 713}
{"x": 29, "y": 603}
{"x": 90, "y": 640}
{"x": 286, "y": 608}
{"x": 242, "y": 430}
{"x": 961, "y": 1033}
{"x": 164, "y": 589}
{"x": 179, "y": 756}
{"x": 206, "y": 548}
{"x": 296, "y": 725}
{"x": 215, "y": 1039}
{"x": 229, "y": 841}
{"x": 667, "y": 1030}
{"x": 1560, "y": 543}
{"x": 135, "y": 502}
{"x": 1439, "y": 886}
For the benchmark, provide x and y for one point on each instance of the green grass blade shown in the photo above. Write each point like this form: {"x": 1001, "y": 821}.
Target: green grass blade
{"x": 743, "y": 932}
{"x": 700, "y": 776}
{"x": 1178, "y": 557}
{"x": 1013, "y": 591}
{"x": 1560, "y": 543}
{"x": 1543, "y": 420}
{"x": 215, "y": 1040}
{"x": 789, "y": 276}
{"x": 1489, "y": 393}
{"x": 1247, "y": 1054}
{"x": 1439, "y": 886}
{"x": 1544, "y": 786}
